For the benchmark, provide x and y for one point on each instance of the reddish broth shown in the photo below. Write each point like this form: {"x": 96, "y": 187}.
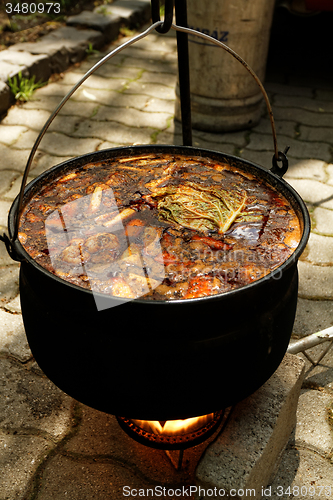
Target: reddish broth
{"x": 137, "y": 227}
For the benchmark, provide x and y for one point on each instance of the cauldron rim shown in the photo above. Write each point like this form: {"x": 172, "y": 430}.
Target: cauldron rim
{"x": 98, "y": 156}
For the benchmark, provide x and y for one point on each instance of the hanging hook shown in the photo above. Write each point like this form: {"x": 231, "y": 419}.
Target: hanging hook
{"x": 168, "y": 15}
{"x": 282, "y": 157}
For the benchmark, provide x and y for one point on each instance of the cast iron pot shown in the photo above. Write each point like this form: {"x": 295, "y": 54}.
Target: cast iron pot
{"x": 159, "y": 360}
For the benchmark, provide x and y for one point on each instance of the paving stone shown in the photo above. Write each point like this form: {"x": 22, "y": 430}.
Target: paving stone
{"x": 236, "y": 138}
{"x": 301, "y": 469}
{"x": 13, "y": 340}
{"x": 303, "y": 116}
{"x": 33, "y": 403}
{"x": 85, "y": 109}
{"x": 108, "y": 24}
{"x": 245, "y": 455}
{"x": 26, "y": 140}
{"x": 286, "y": 128}
{"x": 37, "y": 65}
{"x": 32, "y": 119}
{"x": 313, "y": 429}
{"x": 324, "y": 94}
{"x": 215, "y": 146}
{"x": 314, "y": 192}
{"x": 115, "y": 132}
{"x": 312, "y": 316}
{"x": 8, "y": 70}
{"x": 65, "y": 478}
{"x": 99, "y": 435}
{"x": 315, "y": 281}
{"x": 329, "y": 170}
{"x": 319, "y": 250}
{"x": 64, "y": 46}
{"x": 14, "y": 306}
{"x": 20, "y": 456}
{"x": 5, "y": 259}
{"x": 151, "y": 89}
{"x": 15, "y": 188}
{"x": 94, "y": 82}
{"x": 307, "y": 169}
{"x": 55, "y": 143}
{"x": 46, "y": 161}
{"x": 138, "y": 52}
{"x": 52, "y": 89}
{"x": 109, "y": 70}
{"x": 289, "y": 90}
{"x": 6, "y": 97}
{"x": 167, "y": 79}
{"x": 263, "y": 158}
{"x": 320, "y": 376}
{"x": 133, "y": 12}
{"x": 148, "y": 64}
{"x": 115, "y": 99}
{"x": 9, "y": 134}
{"x": 298, "y": 149}
{"x": 153, "y": 104}
{"x": 320, "y": 134}
{"x": 133, "y": 117}
{"x": 323, "y": 221}
{"x": 4, "y": 209}
{"x": 9, "y": 283}
{"x": 167, "y": 137}
{"x": 158, "y": 43}
{"x": 7, "y": 178}
{"x": 303, "y": 102}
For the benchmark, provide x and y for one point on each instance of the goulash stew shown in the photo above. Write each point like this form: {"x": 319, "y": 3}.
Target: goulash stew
{"x": 161, "y": 227}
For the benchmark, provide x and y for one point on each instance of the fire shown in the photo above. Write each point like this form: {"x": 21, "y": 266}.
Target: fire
{"x": 174, "y": 427}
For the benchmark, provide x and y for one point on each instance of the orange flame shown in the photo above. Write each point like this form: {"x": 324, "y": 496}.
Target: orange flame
{"x": 174, "y": 427}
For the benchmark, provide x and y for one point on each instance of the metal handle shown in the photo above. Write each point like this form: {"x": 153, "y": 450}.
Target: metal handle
{"x": 168, "y": 15}
{"x": 278, "y": 155}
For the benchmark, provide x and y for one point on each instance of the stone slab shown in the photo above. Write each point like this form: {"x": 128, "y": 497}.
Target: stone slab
{"x": 313, "y": 429}
{"x": 319, "y": 250}
{"x": 132, "y": 12}
{"x": 20, "y": 458}
{"x": 108, "y": 24}
{"x": 9, "y": 283}
{"x": 7, "y": 178}
{"x": 245, "y": 456}
{"x": 323, "y": 221}
{"x": 315, "y": 192}
{"x": 315, "y": 282}
{"x": 6, "y": 97}
{"x": 312, "y": 316}
{"x": 37, "y": 65}
{"x": 302, "y": 474}
{"x": 33, "y": 402}
{"x": 13, "y": 341}
{"x": 307, "y": 169}
{"x": 64, "y": 46}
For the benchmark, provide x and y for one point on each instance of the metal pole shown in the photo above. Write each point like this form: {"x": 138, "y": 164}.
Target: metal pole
{"x": 311, "y": 341}
{"x": 184, "y": 72}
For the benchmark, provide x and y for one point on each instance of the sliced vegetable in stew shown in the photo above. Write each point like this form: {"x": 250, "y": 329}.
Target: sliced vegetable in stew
{"x": 161, "y": 227}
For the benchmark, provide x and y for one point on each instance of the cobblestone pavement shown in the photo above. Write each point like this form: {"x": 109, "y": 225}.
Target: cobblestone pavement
{"x": 52, "y": 447}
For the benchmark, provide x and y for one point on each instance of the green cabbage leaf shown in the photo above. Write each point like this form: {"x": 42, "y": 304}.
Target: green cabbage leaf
{"x": 203, "y": 208}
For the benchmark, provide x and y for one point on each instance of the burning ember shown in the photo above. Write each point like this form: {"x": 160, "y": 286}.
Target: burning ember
{"x": 172, "y": 434}
{"x": 174, "y": 427}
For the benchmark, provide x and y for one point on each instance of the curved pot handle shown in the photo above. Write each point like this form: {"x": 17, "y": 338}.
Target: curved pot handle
{"x": 278, "y": 155}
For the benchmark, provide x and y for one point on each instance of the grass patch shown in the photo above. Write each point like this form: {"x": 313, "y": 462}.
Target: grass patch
{"x": 23, "y": 88}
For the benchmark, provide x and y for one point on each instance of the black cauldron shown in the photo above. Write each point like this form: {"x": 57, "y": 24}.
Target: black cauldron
{"x": 159, "y": 360}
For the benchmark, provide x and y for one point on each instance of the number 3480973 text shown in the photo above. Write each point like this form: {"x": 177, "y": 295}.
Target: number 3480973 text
{"x": 32, "y": 8}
